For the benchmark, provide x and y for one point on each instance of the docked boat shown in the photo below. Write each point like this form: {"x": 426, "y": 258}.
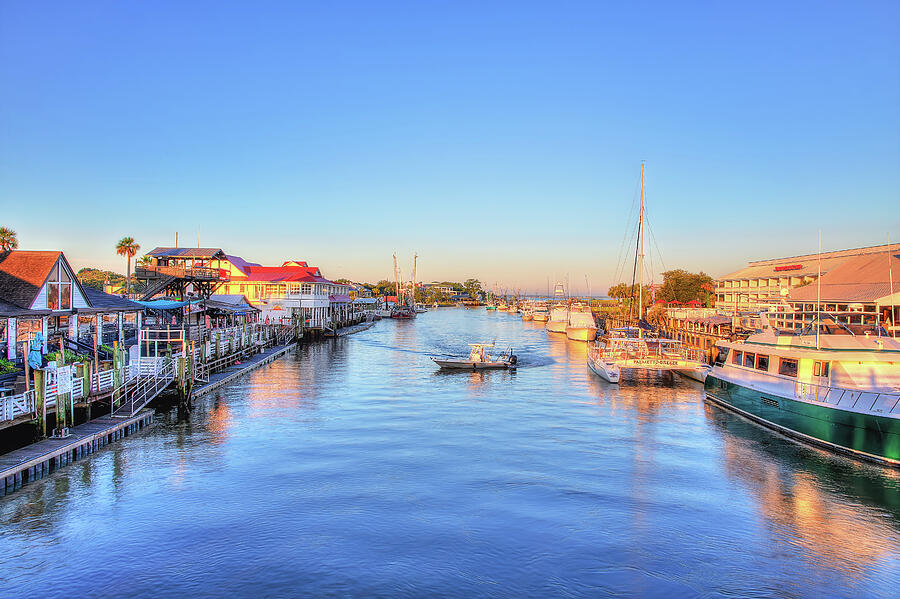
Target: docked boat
{"x": 541, "y": 313}
{"x": 421, "y": 309}
{"x": 478, "y": 359}
{"x": 559, "y": 319}
{"x": 528, "y": 314}
{"x": 622, "y": 351}
{"x": 581, "y": 325}
{"x": 697, "y": 374}
{"x": 839, "y": 391}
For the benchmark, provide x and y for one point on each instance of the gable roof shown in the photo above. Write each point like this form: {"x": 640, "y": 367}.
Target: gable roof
{"x": 22, "y": 274}
{"x": 240, "y": 264}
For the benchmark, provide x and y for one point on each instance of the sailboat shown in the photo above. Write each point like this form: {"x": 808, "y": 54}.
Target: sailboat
{"x": 636, "y": 348}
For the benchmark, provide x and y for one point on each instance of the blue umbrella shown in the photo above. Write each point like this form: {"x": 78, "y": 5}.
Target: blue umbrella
{"x": 35, "y": 354}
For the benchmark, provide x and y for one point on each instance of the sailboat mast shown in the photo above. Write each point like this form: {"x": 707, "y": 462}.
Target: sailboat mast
{"x": 415, "y": 260}
{"x": 641, "y": 255}
{"x": 396, "y": 280}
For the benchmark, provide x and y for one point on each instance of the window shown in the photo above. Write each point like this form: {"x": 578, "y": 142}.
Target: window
{"x": 59, "y": 289}
{"x": 821, "y": 369}
{"x": 723, "y": 356}
{"x": 762, "y": 362}
{"x": 737, "y": 357}
{"x": 788, "y": 367}
{"x": 749, "y": 360}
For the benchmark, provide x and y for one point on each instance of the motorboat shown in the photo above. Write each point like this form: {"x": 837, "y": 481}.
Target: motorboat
{"x": 559, "y": 319}
{"x": 479, "y": 359}
{"x": 581, "y": 326}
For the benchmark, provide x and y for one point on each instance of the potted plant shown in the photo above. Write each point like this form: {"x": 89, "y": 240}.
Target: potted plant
{"x": 8, "y": 371}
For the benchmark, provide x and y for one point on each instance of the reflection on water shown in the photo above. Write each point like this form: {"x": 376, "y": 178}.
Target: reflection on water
{"x": 355, "y": 468}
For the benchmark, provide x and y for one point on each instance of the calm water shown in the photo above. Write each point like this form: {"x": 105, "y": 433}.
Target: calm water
{"x": 354, "y": 468}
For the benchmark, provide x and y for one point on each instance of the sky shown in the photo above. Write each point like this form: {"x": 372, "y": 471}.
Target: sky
{"x": 501, "y": 141}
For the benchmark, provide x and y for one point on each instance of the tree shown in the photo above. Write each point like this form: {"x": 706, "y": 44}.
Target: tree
{"x": 8, "y": 240}
{"x": 128, "y": 248}
{"x": 685, "y": 286}
{"x": 473, "y": 288}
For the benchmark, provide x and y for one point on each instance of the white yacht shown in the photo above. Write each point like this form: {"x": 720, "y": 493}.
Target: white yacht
{"x": 581, "y": 325}
{"x": 559, "y": 319}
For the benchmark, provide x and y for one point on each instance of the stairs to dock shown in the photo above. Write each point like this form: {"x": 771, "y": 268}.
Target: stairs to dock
{"x": 158, "y": 286}
{"x": 149, "y": 384}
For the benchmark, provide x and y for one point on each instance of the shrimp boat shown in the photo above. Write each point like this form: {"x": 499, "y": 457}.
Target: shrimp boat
{"x": 634, "y": 349}
{"x": 478, "y": 359}
{"x": 581, "y": 326}
{"x": 838, "y": 391}
{"x": 405, "y": 307}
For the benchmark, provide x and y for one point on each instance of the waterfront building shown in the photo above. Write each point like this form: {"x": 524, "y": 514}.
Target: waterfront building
{"x": 764, "y": 284}
{"x": 182, "y": 272}
{"x": 39, "y": 293}
{"x": 292, "y": 290}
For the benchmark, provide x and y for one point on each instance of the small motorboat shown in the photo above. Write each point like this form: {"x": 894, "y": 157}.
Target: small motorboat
{"x": 478, "y": 359}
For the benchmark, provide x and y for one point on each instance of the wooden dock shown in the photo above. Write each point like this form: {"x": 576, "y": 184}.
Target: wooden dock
{"x": 36, "y": 461}
{"x": 40, "y": 459}
{"x": 227, "y": 375}
{"x": 357, "y": 328}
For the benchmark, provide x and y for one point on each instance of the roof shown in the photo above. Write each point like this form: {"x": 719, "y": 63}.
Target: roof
{"x": 230, "y": 302}
{"x": 859, "y": 279}
{"x": 8, "y": 310}
{"x": 241, "y": 264}
{"x": 200, "y": 253}
{"x": 799, "y": 266}
{"x": 284, "y": 274}
{"x": 22, "y": 274}
{"x": 103, "y": 302}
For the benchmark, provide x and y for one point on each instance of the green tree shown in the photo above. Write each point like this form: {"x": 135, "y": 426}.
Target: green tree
{"x": 684, "y": 286}
{"x": 8, "y": 239}
{"x": 127, "y": 247}
{"x": 473, "y": 288}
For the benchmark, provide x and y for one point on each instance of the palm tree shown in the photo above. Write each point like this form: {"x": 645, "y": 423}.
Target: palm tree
{"x": 128, "y": 248}
{"x": 8, "y": 240}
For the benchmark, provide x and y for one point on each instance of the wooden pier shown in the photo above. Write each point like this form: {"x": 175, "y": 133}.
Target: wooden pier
{"x": 230, "y": 373}
{"x": 40, "y": 459}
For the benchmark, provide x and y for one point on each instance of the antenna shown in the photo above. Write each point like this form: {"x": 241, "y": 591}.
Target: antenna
{"x": 176, "y": 239}
{"x": 893, "y": 330}
{"x": 819, "y": 291}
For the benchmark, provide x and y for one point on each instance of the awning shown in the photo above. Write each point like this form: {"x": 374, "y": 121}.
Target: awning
{"x": 164, "y": 304}
{"x": 340, "y": 299}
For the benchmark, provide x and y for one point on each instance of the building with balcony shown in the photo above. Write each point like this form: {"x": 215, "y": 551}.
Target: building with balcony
{"x": 183, "y": 272}
{"x": 767, "y": 284}
{"x": 292, "y": 290}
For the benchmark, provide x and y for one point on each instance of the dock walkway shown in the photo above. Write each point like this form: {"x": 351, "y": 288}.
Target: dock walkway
{"x": 357, "y": 328}
{"x": 40, "y": 459}
{"x": 232, "y": 372}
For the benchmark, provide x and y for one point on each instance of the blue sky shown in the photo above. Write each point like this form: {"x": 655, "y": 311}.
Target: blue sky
{"x": 498, "y": 140}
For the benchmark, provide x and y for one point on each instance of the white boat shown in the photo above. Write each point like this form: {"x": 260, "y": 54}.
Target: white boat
{"x": 581, "y": 325}
{"x": 421, "y": 309}
{"x": 541, "y": 313}
{"x": 698, "y": 374}
{"x": 839, "y": 391}
{"x": 619, "y": 353}
{"x": 559, "y": 319}
{"x": 636, "y": 348}
{"x": 478, "y": 359}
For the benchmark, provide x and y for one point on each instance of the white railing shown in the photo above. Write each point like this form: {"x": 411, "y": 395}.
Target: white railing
{"x": 13, "y": 406}
{"x": 870, "y": 401}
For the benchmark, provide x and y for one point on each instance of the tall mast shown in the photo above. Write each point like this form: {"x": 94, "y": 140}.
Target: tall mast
{"x": 415, "y": 259}
{"x": 396, "y": 280}
{"x": 641, "y": 255}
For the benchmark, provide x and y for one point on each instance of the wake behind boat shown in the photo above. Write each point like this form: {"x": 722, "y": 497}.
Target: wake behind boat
{"x": 478, "y": 359}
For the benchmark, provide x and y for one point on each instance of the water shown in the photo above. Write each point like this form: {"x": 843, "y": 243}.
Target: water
{"x": 355, "y": 469}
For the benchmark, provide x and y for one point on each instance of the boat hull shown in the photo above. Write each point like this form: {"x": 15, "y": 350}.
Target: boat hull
{"x": 541, "y": 317}
{"x": 581, "y": 334}
{"x": 470, "y": 365}
{"x": 866, "y": 436}
{"x": 556, "y": 326}
{"x": 698, "y": 374}
{"x": 608, "y": 372}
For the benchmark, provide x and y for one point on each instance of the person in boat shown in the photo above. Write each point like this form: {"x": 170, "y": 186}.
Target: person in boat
{"x": 477, "y": 354}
